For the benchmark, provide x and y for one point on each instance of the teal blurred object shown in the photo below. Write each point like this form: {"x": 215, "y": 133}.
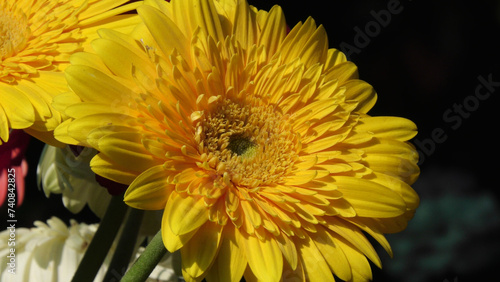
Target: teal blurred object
{"x": 454, "y": 233}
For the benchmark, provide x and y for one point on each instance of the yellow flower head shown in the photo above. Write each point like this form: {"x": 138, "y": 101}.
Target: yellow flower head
{"x": 254, "y": 141}
{"x": 36, "y": 41}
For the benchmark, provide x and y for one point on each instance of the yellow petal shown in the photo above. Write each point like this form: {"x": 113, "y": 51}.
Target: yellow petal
{"x": 4, "y": 126}
{"x": 402, "y": 168}
{"x": 357, "y": 138}
{"x": 323, "y": 143}
{"x": 335, "y": 57}
{"x": 273, "y": 31}
{"x": 288, "y": 249}
{"x": 231, "y": 262}
{"x": 149, "y": 191}
{"x": 199, "y": 252}
{"x": 90, "y": 60}
{"x": 172, "y": 241}
{"x": 110, "y": 170}
{"x": 52, "y": 82}
{"x": 80, "y": 109}
{"x": 207, "y": 19}
{"x": 122, "y": 60}
{"x": 17, "y": 107}
{"x": 164, "y": 30}
{"x": 90, "y": 84}
{"x": 388, "y": 127}
{"x": 79, "y": 129}
{"x": 61, "y": 134}
{"x": 353, "y": 235}
{"x": 127, "y": 148}
{"x": 314, "y": 111}
{"x": 101, "y": 11}
{"x": 315, "y": 49}
{"x": 97, "y": 7}
{"x": 315, "y": 266}
{"x": 301, "y": 40}
{"x": 293, "y": 275}
{"x": 301, "y": 177}
{"x": 361, "y": 270}
{"x": 45, "y": 136}
{"x": 392, "y": 147}
{"x": 185, "y": 213}
{"x": 361, "y": 92}
{"x": 342, "y": 72}
{"x": 333, "y": 254}
{"x": 250, "y": 276}
{"x": 251, "y": 213}
{"x": 369, "y": 198}
{"x": 402, "y": 188}
{"x": 264, "y": 257}
{"x": 96, "y": 134}
{"x": 121, "y": 23}
{"x": 39, "y": 98}
{"x": 367, "y": 226}
{"x": 244, "y": 25}
{"x": 343, "y": 208}
{"x": 62, "y": 101}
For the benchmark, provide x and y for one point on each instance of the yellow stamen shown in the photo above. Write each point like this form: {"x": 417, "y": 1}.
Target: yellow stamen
{"x": 14, "y": 31}
{"x": 252, "y": 141}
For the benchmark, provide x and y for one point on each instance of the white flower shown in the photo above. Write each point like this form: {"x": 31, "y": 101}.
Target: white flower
{"x": 46, "y": 252}
{"x": 61, "y": 172}
{"x": 53, "y": 251}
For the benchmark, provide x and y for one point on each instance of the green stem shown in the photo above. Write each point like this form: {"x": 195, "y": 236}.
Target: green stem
{"x": 145, "y": 264}
{"x": 126, "y": 245}
{"x": 101, "y": 243}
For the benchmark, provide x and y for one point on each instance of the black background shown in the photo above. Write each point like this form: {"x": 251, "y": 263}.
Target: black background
{"x": 425, "y": 62}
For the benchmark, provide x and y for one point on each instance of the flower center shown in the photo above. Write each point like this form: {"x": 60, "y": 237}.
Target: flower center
{"x": 252, "y": 143}
{"x": 14, "y": 31}
{"x": 241, "y": 145}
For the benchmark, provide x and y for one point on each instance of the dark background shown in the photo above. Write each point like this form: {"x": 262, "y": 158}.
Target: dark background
{"x": 424, "y": 63}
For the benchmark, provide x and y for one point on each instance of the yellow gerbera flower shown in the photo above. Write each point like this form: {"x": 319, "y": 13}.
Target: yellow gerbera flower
{"x": 255, "y": 142}
{"x": 36, "y": 41}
